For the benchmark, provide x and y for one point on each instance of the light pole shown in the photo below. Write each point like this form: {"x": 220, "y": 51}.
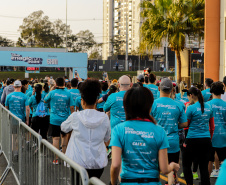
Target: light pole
{"x": 66, "y": 38}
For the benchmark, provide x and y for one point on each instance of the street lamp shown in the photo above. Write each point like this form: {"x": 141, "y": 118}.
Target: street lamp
{"x": 66, "y": 38}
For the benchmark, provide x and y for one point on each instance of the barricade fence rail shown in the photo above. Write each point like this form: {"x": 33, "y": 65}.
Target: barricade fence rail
{"x": 30, "y": 158}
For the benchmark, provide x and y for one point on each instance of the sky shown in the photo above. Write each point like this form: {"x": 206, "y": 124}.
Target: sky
{"x": 12, "y": 13}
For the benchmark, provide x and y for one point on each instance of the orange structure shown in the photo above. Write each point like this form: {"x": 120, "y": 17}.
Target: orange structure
{"x": 212, "y": 39}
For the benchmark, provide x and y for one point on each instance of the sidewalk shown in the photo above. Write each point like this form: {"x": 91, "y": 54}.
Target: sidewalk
{"x": 10, "y": 178}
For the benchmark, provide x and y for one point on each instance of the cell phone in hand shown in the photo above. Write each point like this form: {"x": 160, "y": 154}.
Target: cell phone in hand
{"x": 76, "y": 73}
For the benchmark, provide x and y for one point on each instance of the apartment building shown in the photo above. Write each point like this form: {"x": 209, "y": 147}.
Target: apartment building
{"x": 121, "y": 17}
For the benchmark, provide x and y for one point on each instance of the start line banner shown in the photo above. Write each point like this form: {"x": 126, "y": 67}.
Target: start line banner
{"x": 43, "y": 59}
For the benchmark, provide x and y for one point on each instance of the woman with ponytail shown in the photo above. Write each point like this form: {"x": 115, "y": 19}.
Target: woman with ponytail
{"x": 198, "y": 141}
{"x": 182, "y": 96}
{"x": 39, "y": 122}
{"x": 45, "y": 89}
{"x": 140, "y": 141}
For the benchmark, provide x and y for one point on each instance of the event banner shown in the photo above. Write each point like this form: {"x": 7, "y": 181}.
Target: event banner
{"x": 43, "y": 59}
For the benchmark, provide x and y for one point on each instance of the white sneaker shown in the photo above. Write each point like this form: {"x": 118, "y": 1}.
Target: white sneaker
{"x": 214, "y": 174}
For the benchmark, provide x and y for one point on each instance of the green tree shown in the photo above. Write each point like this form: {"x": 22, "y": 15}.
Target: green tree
{"x": 85, "y": 41}
{"x": 37, "y": 30}
{"x": 4, "y": 42}
{"x": 118, "y": 46}
{"x": 172, "y": 20}
{"x": 20, "y": 43}
{"x": 96, "y": 52}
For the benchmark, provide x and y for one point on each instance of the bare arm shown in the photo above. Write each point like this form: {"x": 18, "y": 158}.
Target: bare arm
{"x": 183, "y": 125}
{"x": 164, "y": 165}
{"x": 100, "y": 100}
{"x": 115, "y": 164}
{"x": 27, "y": 114}
{"x": 72, "y": 109}
{"x": 79, "y": 79}
{"x": 7, "y": 107}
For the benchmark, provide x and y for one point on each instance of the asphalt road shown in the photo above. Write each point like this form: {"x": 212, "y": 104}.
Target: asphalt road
{"x": 106, "y": 177}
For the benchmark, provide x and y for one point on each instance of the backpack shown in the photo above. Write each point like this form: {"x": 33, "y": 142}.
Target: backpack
{"x": 40, "y": 111}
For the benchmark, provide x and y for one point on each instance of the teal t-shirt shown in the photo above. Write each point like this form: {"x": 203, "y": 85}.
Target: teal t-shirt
{"x": 60, "y": 101}
{"x": 17, "y": 102}
{"x": 168, "y": 113}
{"x": 101, "y": 105}
{"x": 154, "y": 89}
{"x": 114, "y": 104}
{"x": 74, "y": 93}
{"x": 181, "y": 103}
{"x": 33, "y": 103}
{"x": 206, "y": 94}
{"x": 78, "y": 103}
{"x": 184, "y": 98}
{"x": 199, "y": 122}
{"x": 222, "y": 175}
{"x": 140, "y": 142}
{"x": 219, "y": 113}
{"x": 158, "y": 94}
{"x": 45, "y": 93}
{"x": 1, "y": 91}
{"x": 29, "y": 94}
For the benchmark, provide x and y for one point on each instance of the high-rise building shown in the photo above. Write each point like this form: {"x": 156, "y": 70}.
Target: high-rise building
{"x": 121, "y": 17}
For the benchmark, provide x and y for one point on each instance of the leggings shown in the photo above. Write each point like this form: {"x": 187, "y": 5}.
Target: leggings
{"x": 195, "y": 161}
{"x": 199, "y": 148}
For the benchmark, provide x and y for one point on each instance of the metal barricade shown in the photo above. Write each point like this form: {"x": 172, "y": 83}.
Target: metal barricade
{"x": 14, "y": 135}
{"x": 29, "y": 155}
{"x": 66, "y": 172}
{"x": 95, "y": 181}
{"x": 6, "y": 142}
{"x": 30, "y": 158}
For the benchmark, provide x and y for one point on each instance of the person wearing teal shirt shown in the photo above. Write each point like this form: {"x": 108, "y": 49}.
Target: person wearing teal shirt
{"x": 114, "y": 103}
{"x": 29, "y": 94}
{"x": 168, "y": 114}
{"x": 78, "y": 105}
{"x": 198, "y": 142}
{"x": 104, "y": 92}
{"x": 45, "y": 89}
{"x": 60, "y": 102}
{"x": 17, "y": 103}
{"x": 222, "y": 175}
{"x": 139, "y": 143}
{"x": 219, "y": 136}
{"x": 74, "y": 91}
{"x": 206, "y": 93}
{"x": 1, "y": 90}
{"x": 182, "y": 96}
{"x": 152, "y": 87}
{"x": 39, "y": 124}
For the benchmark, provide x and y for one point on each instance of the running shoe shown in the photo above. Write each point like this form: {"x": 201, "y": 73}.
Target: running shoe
{"x": 55, "y": 161}
{"x": 195, "y": 176}
{"x": 182, "y": 175}
{"x": 214, "y": 174}
{"x": 109, "y": 151}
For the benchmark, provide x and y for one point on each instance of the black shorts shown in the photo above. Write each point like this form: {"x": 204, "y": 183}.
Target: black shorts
{"x": 174, "y": 157}
{"x": 55, "y": 131}
{"x": 221, "y": 153}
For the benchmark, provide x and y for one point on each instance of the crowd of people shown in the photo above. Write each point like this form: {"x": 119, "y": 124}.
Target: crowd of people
{"x": 142, "y": 127}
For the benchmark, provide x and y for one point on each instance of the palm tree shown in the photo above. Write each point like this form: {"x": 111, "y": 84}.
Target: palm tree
{"x": 172, "y": 20}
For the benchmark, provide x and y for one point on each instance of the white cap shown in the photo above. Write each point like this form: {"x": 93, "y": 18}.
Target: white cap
{"x": 17, "y": 83}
